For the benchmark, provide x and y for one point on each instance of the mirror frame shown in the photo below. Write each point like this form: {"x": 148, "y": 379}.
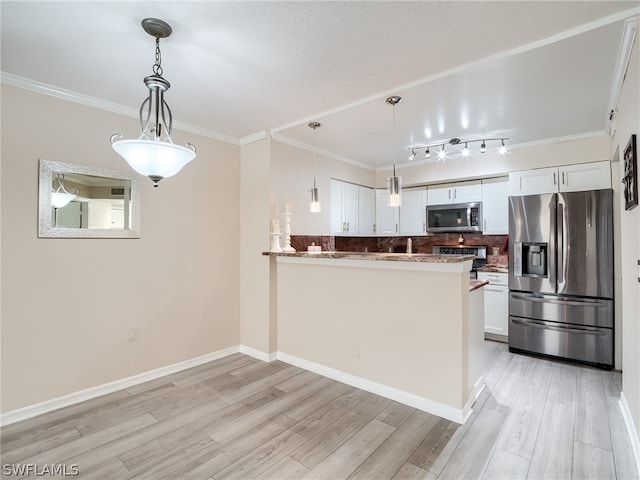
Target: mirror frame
{"x": 45, "y": 224}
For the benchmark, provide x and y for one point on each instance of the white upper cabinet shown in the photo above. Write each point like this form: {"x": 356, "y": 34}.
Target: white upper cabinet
{"x": 344, "y": 208}
{"x": 530, "y": 182}
{"x": 366, "y": 210}
{"x": 387, "y": 218}
{"x": 353, "y": 209}
{"x": 586, "y": 176}
{"x": 495, "y": 206}
{"x": 413, "y": 211}
{"x": 460, "y": 192}
{"x": 569, "y": 178}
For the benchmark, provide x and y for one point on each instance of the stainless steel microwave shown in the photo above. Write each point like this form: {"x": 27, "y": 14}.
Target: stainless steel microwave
{"x": 458, "y": 217}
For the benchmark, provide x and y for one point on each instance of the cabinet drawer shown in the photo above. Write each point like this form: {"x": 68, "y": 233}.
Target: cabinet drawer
{"x": 494, "y": 278}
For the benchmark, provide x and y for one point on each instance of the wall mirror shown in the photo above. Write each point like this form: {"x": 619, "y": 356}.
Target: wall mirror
{"x": 80, "y": 201}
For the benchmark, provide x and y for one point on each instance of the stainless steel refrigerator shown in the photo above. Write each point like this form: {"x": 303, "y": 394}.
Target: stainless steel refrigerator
{"x": 561, "y": 275}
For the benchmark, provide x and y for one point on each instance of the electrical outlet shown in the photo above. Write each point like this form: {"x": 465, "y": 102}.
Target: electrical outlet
{"x": 133, "y": 334}
{"x": 356, "y": 352}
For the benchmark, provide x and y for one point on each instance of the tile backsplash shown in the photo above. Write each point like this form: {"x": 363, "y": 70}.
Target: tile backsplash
{"x": 420, "y": 244}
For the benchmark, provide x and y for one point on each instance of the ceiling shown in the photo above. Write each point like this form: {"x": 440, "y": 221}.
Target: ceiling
{"x": 530, "y": 71}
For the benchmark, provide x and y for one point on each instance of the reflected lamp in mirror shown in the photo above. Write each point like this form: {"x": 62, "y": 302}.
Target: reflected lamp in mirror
{"x": 80, "y": 201}
{"x": 60, "y": 197}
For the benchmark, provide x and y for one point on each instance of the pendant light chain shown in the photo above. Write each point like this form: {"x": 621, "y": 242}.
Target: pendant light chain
{"x": 157, "y": 67}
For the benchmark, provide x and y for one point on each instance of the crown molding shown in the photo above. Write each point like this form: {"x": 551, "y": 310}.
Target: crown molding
{"x": 624, "y": 56}
{"x": 63, "y": 94}
{"x": 304, "y": 146}
{"x": 254, "y": 137}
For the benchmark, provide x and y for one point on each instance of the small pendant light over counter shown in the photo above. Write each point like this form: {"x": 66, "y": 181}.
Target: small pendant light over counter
{"x": 394, "y": 183}
{"x": 153, "y": 153}
{"x": 314, "y": 206}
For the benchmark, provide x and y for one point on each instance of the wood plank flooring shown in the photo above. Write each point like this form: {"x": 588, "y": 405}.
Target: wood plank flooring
{"x": 239, "y": 418}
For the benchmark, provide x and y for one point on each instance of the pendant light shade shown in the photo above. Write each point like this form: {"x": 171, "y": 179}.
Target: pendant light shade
{"x": 314, "y": 205}
{"x": 394, "y": 183}
{"x": 394, "y": 189}
{"x": 154, "y": 154}
{"x": 156, "y": 160}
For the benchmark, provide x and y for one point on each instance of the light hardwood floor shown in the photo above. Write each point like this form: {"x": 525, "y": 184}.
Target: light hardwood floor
{"x": 239, "y": 418}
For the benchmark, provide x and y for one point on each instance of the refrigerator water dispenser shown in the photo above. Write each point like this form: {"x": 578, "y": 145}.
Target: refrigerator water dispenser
{"x": 530, "y": 259}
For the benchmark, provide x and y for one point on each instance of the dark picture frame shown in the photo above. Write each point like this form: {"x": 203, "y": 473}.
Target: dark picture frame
{"x": 630, "y": 179}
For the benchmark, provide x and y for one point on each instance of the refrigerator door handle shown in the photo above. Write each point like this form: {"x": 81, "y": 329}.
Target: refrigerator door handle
{"x": 574, "y": 303}
{"x": 551, "y": 255}
{"x": 572, "y": 329}
{"x": 562, "y": 246}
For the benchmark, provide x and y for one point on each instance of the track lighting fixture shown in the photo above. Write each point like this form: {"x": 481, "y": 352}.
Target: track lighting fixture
{"x": 443, "y": 153}
{"x": 412, "y": 156}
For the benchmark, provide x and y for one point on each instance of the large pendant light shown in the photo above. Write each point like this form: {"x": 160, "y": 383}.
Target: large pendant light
{"x": 153, "y": 153}
{"x": 394, "y": 183}
{"x": 314, "y": 205}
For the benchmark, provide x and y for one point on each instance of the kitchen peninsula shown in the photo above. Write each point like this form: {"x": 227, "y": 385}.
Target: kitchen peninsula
{"x": 405, "y": 326}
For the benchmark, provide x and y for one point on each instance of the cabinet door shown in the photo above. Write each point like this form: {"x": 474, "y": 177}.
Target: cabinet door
{"x": 412, "y": 211}
{"x": 496, "y": 309}
{"x": 439, "y": 194}
{"x": 351, "y": 208}
{"x": 337, "y": 207}
{"x": 366, "y": 211}
{"x": 495, "y": 206}
{"x": 387, "y": 218}
{"x": 585, "y": 176}
{"x": 531, "y": 182}
{"x": 465, "y": 192}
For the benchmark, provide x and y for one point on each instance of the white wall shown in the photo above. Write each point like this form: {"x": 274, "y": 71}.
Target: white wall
{"x": 292, "y": 171}
{"x": 628, "y": 123}
{"x": 255, "y": 328}
{"x": 178, "y": 284}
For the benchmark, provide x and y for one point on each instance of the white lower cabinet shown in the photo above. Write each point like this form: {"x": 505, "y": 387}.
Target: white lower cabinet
{"x": 496, "y": 303}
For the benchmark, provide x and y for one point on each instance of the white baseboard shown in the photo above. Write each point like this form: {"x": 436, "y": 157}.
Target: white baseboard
{"x": 252, "y": 352}
{"x": 31, "y": 411}
{"x": 410, "y": 399}
{"x": 424, "y": 404}
{"x": 633, "y": 434}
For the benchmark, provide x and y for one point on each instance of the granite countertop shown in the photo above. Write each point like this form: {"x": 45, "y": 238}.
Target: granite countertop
{"x": 476, "y": 284}
{"x": 394, "y": 257}
{"x": 494, "y": 268}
